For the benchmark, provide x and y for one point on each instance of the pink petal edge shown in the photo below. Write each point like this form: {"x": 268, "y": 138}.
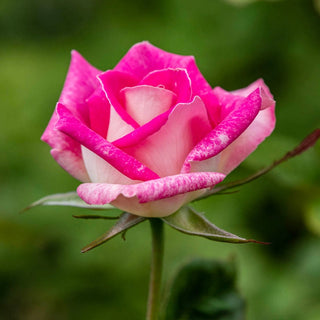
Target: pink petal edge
{"x": 155, "y": 197}
{"x": 126, "y": 164}
{"x": 266, "y": 96}
{"x": 261, "y": 127}
{"x": 112, "y": 82}
{"x": 226, "y": 131}
{"x": 144, "y": 102}
{"x": 175, "y": 80}
{"x": 165, "y": 151}
{"x": 143, "y": 58}
{"x": 80, "y": 83}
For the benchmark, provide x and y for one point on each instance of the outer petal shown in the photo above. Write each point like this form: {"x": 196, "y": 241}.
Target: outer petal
{"x": 266, "y": 96}
{"x": 144, "y": 58}
{"x": 165, "y": 151}
{"x": 127, "y": 165}
{"x": 154, "y": 198}
{"x": 260, "y": 128}
{"x": 79, "y": 85}
{"x": 225, "y": 132}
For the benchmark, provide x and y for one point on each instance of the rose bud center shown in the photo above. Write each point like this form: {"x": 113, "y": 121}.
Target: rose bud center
{"x": 143, "y": 103}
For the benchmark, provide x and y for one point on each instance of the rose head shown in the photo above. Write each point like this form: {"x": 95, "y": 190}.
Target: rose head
{"x": 151, "y": 134}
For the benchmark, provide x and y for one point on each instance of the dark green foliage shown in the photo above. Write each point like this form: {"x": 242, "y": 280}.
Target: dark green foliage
{"x": 205, "y": 290}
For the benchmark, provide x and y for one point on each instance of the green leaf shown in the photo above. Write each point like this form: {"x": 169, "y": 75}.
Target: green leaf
{"x": 303, "y": 146}
{"x": 188, "y": 221}
{"x": 125, "y": 222}
{"x": 70, "y": 199}
{"x": 205, "y": 290}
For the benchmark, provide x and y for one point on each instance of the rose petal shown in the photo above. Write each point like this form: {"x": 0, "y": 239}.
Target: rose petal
{"x": 225, "y": 132}
{"x": 121, "y": 123}
{"x": 164, "y": 151}
{"x": 101, "y": 171}
{"x": 175, "y": 80}
{"x": 112, "y": 82}
{"x": 212, "y": 104}
{"x": 144, "y": 58}
{"x": 247, "y": 142}
{"x": 154, "y": 198}
{"x": 144, "y": 102}
{"x": 99, "y": 112}
{"x": 79, "y": 85}
{"x": 117, "y": 127}
{"x": 261, "y": 127}
{"x": 143, "y": 132}
{"x": 127, "y": 165}
{"x": 266, "y": 96}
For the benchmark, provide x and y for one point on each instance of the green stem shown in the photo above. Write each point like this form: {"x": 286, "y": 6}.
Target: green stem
{"x": 156, "y": 269}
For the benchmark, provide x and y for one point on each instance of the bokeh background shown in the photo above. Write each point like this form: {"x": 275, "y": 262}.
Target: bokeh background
{"x": 43, "y": 275}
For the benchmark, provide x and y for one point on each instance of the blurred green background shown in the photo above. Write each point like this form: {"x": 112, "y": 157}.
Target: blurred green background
{"x": 42, "y": 273}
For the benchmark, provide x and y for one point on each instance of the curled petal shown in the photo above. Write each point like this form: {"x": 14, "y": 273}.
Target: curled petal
{"x": 124, "y": 163}
{"x": 165, "y": 150}
{"x": 80, "y": 83}
{"x": 112, "y": 82}
{"x": 145, "y": 102}
{"x": 260, "y": 128}
{"x": 225, "y": 132}
{"x": 154, "y": 198}
{"x": 175, "y": 80}
{"x": 266, "y": 96}
{"x": 99, "y": 112}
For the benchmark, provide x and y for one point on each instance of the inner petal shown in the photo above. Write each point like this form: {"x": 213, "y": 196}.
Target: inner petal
{"x": 175, "y": 80}
{"x": 143, "y": 103}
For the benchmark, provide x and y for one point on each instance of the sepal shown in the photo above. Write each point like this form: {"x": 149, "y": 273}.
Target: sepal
{"x": 70, "y": 199}
{"x": 125, "y": 222}
{"x": 188, "y": 221}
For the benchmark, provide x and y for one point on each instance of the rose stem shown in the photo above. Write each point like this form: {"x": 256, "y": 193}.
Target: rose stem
{"x": 156, "y": 269}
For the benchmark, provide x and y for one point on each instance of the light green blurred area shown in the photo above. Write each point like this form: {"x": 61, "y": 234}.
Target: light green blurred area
{"x": 42, "y": 273}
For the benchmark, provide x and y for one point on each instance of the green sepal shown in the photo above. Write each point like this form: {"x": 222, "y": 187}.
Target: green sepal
{"x": 188, "y": 221}
{"x": 70, "y": 199}
{"x": 125, "y": 222}
{"x": 204, "y": 289}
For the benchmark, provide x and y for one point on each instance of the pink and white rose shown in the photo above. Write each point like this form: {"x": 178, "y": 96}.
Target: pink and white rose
{"x": 151, "y": 134}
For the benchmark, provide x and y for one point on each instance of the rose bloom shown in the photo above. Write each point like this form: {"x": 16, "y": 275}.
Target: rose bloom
{"x": 151, "y": 135}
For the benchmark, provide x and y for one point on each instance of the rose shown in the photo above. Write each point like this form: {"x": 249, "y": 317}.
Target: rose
{"x": 151, "y": 134}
